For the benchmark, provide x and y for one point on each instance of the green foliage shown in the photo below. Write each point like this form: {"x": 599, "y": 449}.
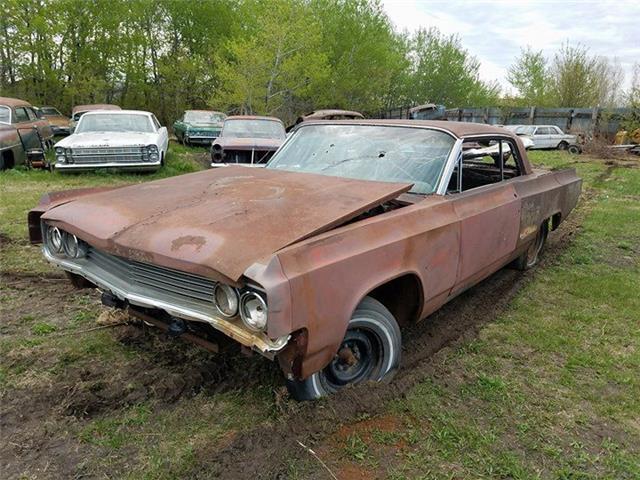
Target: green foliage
{"x": 444, "y": 72}
{"x": 530, "y": 76}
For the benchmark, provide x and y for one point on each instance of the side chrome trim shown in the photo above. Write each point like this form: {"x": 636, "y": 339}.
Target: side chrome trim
{"x": 258, "y": 342}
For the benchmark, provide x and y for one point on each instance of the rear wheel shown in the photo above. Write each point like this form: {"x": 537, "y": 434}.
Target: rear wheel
{"x": 370, "y": 351}
{"x": 563, "y": 145}
{"x": 530, "y": 258}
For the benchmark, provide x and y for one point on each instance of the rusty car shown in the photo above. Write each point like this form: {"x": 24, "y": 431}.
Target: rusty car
{"x": 353, "y": 230}
{"x": 326, "y": 114}
{"x": 247, "y": 140}
{"x": 60, "y": 124}
{"x": 23, "y": 116}
{"x": 79, "y": 110}
{"x": 131, "y": 140}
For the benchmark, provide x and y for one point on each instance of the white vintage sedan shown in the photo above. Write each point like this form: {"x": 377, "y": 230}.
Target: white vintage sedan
{"x": 122, "y": 140}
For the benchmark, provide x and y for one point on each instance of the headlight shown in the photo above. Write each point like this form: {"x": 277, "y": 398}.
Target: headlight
{"x": 253, "y": 310}
{"x": 59, "y": 151}
{"x": 73, "y": 247}
{"x": 225, "y": 299}
{"x": 61, "y": 159}
{"x": 54, "y": 240}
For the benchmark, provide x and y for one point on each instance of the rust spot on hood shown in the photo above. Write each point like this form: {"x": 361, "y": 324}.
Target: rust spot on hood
{"x": 188, "y": 240}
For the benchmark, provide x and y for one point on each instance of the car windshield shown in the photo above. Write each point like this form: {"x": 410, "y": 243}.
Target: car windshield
{"x": 50, "y": 111}
{"x": 5, "y": 115}
{"x": 203, "y": 117}
{"x": 109, "y": 122}
{"x": 525, "y": 130}
{"x": 368, "y": 152}
{"x": 253, "y": 129}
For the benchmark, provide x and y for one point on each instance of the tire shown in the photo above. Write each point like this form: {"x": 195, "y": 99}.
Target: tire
{"x": 563, "y": 145}
{"x": 373, "y": 341}
{"x": 529, "y": 259}
{"x": 574, "y": 149}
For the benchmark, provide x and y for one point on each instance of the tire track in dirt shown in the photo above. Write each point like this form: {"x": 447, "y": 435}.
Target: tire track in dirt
{"x": 263, "y": 453}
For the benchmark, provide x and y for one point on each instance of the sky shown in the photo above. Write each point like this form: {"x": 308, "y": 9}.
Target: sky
{"x": 494, "y": 31}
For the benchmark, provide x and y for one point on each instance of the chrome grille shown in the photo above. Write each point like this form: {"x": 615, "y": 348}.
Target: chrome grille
{"x": 159, "y": 282}
{"x": 107, "y": 154}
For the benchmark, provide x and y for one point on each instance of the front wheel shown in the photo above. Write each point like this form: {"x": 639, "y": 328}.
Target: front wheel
{"x": 370, "y": 351}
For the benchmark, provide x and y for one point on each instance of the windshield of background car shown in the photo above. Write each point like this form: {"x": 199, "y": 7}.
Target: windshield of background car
{"x": 203, "y": 117}
{"x": 50, "y": 111}
{"x": 525, "y": 130}
{"x": 5, "y": 115}
{"x": 368, "y": 152}
{"x": 253, "y": 129}
{"x": 108, "y": 122}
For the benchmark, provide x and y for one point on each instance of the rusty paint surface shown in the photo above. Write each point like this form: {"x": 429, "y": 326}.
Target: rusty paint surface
{"x": 218, "y": 222}
{"x": 97, "y": 106}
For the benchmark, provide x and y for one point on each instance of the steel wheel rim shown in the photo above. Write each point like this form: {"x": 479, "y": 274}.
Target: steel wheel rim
{"x": 357, "y": 357}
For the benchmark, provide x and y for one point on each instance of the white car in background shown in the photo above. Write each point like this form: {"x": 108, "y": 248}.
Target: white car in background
{"x": 545, "y": 136}
{"x": 117, "y": 139}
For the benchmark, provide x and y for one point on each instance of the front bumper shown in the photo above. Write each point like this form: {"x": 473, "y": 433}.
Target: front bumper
{"x": 60, "y": 130}
{"x": 133, "y": 166}
{"x": 200, "y": 139}
{"x": 126, "y": 292}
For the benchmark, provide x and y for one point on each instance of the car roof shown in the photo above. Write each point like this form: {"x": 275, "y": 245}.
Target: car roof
{"x": 321, "y": 113}
{"x": 13, "y": 102}
{"x": 202, "y": 110}
{"x": 252, "y": 117}
{"x": 457, "y": 129}
{"x": 119, "y": 112}
{"x": 95, "y": 106}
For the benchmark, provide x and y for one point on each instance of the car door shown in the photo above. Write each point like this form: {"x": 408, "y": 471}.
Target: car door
{"x": 556, "y": 136}
{"x": 544, "y": 134}
{"x": 489, "y": 218}
{"x": 163, "y": 134}
{"x": 27, "y": 131}
{"x": 44, "y": 129}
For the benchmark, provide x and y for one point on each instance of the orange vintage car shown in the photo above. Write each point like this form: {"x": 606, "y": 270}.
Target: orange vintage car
{"x": 353, "y": 230}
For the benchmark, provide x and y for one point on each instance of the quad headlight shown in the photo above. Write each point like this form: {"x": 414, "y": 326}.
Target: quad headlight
{"x": 65, "y": 244}
{"x": 225, "y": 298}
{"x": 253, "y": 310}
{"x": 61, "y": 155}
{"x": 150, "y": 153}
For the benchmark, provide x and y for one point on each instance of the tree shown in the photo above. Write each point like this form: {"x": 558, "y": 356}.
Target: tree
{"x": 530, "y": 76}
{"x": 444, "y": 72}
{"x": 582, "y": 80}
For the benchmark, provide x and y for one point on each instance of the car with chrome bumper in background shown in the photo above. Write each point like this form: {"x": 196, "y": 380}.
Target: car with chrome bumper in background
{"x": 130, "y": 140}
{"x": 198, "y": 127}
{"x": 351, "y": 231}
{"x": 247, "y": 140}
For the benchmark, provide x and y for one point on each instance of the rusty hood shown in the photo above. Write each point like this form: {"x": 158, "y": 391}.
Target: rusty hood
{"x": 236, "y": 143}
{"x": 219, "y": 222}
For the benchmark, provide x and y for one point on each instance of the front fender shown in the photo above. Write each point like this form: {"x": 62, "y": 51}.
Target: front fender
{"x": 53, "y": 199}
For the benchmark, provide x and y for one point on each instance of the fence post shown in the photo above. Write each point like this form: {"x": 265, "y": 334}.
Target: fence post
{"x": 532, "y": 115}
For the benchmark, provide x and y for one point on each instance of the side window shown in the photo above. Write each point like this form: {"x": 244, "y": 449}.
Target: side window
{"x": 32, "y": 115}
{"x": 543, "y": 131}
{"x": 155, "y": 121}
{"x": 5, "y": 114}
{"x": 484, "y": 162}
{"x": 21, "y": 115}
{"x": 556, "y": 130}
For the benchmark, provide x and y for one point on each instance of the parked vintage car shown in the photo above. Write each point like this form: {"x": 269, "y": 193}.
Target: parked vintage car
{"x": 546, "y": 136}
{"x": 59, "y": 123}
{"x": 199, "y": 126}
{"x": 23, "y": 116}
{"x": 79, "y": 110}
{"x": 247, "y": 140}
{"x": 327, "y": 114}
{"x": 353, "y": 230}
{"x": 120, "y": 139}
{"x": 21, "y": 146}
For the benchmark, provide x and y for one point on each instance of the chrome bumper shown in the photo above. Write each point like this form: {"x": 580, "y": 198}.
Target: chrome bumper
{"x": 256, "y": 341}
{"x": 137, "y": 166}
